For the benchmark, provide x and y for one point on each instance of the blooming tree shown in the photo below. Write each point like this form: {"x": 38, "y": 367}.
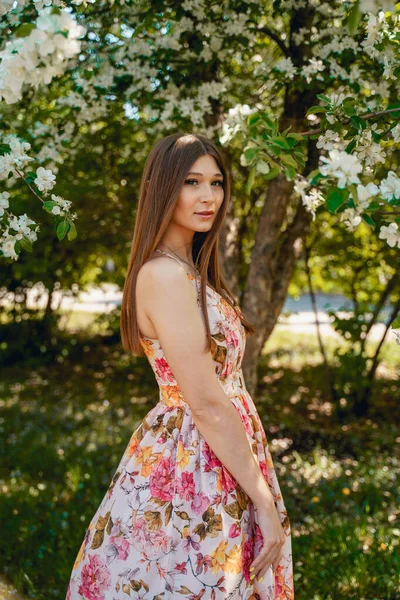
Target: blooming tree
{"x": 307, "y": 91}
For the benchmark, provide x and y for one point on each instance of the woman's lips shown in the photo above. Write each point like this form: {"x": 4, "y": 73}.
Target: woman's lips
{"x": 205, "y": 216}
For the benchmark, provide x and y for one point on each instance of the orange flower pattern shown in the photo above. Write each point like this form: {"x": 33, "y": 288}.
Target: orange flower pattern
{"x": 174, "y": 522}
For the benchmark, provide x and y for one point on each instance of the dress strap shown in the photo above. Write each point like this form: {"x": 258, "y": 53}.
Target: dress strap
{"x": 171, "y": 256}
{"x": 181, "y": 263}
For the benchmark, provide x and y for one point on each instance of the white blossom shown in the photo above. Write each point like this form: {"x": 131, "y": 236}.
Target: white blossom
{"x": 391, "y": 234}
{"x": 328, "y": 140}
{"x": 365, "y": 192}
{"x": 286, "y": 66}
{"x": 6, "y": 166}
{"x": 300, "y": 184}
{"x": 396, "y": 133}
{"x": 62, "y": 203}
{"x": 343, "y": 166}
{"x": 351, "y": 218}
{"x": 368, "y": 151}
{"x": 4, "y": 203}
{"x": 39, "y": 56}
{"x": 372, "y": 6}
{"x": 390, "y": 187}
{"x": 45, "y": 179}
{"x": 313, "y": 68}
{"x": 7, "y": 247}
{"x": 312, "y": 200}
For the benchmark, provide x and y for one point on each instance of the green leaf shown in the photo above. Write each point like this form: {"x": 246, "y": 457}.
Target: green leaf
{"x": 250, "y": 180}
{"x": 334, "y": 200}
{"x": 315, "y": 109}
{"x": 62, "y": 229}
{"x": 296, "y": 136}
{"x": 253, "y": 118}
{"x": 26, "y": 244}
{"x": 368, "y": 220}
{"x": 24, "y": 30}
{"x": 48, "y": 205}
{"x": 393, "y": 105}
{"x": 289, "y": 160}
{"x": 349, "y": 109}
{"x": 250, "y": 154}
{"x": 290, "y": 173}
{"x": 280, "y": 142}
{"x": 354, "y": 192}
{"x": 324, "y": 98}
{"x": 350, "y": 147}
{"x": 268, "y": 121}
{"x": 358, "y": 123}
{"x": 354, "y": 19}
{"x": 72, "y": 233}
{"x": 316, "y": 178}
{"x": 273, "y": 173}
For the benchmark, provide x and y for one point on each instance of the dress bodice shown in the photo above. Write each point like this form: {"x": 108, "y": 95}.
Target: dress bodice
{"x": 228, "y": 342}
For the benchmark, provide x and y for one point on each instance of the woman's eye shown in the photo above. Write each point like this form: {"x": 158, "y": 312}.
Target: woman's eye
{"x": 195, "y": 181}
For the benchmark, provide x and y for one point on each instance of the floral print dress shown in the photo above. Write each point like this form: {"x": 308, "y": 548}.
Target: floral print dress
{"x": 174, "y": 523}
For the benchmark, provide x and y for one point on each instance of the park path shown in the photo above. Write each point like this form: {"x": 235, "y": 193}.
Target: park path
{"x": 297, "y": 314}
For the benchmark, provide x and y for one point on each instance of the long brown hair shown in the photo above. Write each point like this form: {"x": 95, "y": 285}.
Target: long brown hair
{"x": 164, "y": 173}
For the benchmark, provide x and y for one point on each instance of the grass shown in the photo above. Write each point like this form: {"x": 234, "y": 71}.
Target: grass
{"x": 65, "y": 426}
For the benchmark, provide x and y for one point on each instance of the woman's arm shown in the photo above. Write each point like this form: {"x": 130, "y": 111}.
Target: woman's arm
{"x": 171, "y": 305}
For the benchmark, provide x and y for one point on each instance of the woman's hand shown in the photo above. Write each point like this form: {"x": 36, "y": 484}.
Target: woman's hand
{"x": 273, "y": 541}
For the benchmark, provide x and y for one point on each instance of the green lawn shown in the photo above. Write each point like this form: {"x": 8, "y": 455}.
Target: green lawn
{"x": 65, "y": 426}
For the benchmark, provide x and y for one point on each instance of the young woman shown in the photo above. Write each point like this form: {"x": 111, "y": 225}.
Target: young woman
{"x": 194, "y": 509}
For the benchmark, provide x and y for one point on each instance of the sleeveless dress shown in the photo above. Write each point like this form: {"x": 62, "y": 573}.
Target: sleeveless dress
{"x": 174, "y": 523}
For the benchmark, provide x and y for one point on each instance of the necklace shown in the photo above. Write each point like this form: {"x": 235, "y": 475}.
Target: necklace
{"x": 178, "y": 257}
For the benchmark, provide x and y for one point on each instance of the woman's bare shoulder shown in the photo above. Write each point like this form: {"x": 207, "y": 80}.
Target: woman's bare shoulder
{"x": 160, "y": 270}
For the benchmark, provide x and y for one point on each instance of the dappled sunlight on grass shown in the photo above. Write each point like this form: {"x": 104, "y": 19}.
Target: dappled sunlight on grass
{"x": 66, "y": 425}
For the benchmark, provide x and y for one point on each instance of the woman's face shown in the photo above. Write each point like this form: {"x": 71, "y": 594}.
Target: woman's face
{"x": 202, "y": 191}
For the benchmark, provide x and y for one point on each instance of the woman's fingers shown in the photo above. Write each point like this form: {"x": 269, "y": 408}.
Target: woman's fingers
{"x": 269, "y": 555}
{"x": 277, "y": 561}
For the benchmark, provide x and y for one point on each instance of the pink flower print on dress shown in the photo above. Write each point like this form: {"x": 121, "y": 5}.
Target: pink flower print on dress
{"x": 263, "y": 469}
{"x": 203, "y": 562}
{"x": 279, "y": 582}
{"x": 246, "y": 422}
{"x": 150, "y": 542}
{"x": 245, "y": 404}
{"x": 181, "y": 568}
{"x": 169, "y": 495}
{"x": 248, "y": 548}
{"x": 140, "y": 534}
{"x": 185, "y": 486}
{"x": 231, "y": 338}
{"x": 212, "y": 460}
{"x": 95, "y": 579}
{"x": 191, "y": 541}
{"x": 121, "y": 545}
{"x": 199, "y": 503}
{"x": 163, "y": 371}
{"x": 228, "y": 482}
{"x": 162, "y": 479}
{"x": 234, "y": 530}
{"x": 259, "y": 541}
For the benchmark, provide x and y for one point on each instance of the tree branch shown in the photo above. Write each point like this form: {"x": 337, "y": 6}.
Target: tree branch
{"x": 365, "y": 116}
{"x": 275, "y": 37}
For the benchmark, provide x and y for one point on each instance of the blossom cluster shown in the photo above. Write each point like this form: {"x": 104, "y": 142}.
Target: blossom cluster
{"x": 21, "y": 228}
{"x": 44, "y": 53}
